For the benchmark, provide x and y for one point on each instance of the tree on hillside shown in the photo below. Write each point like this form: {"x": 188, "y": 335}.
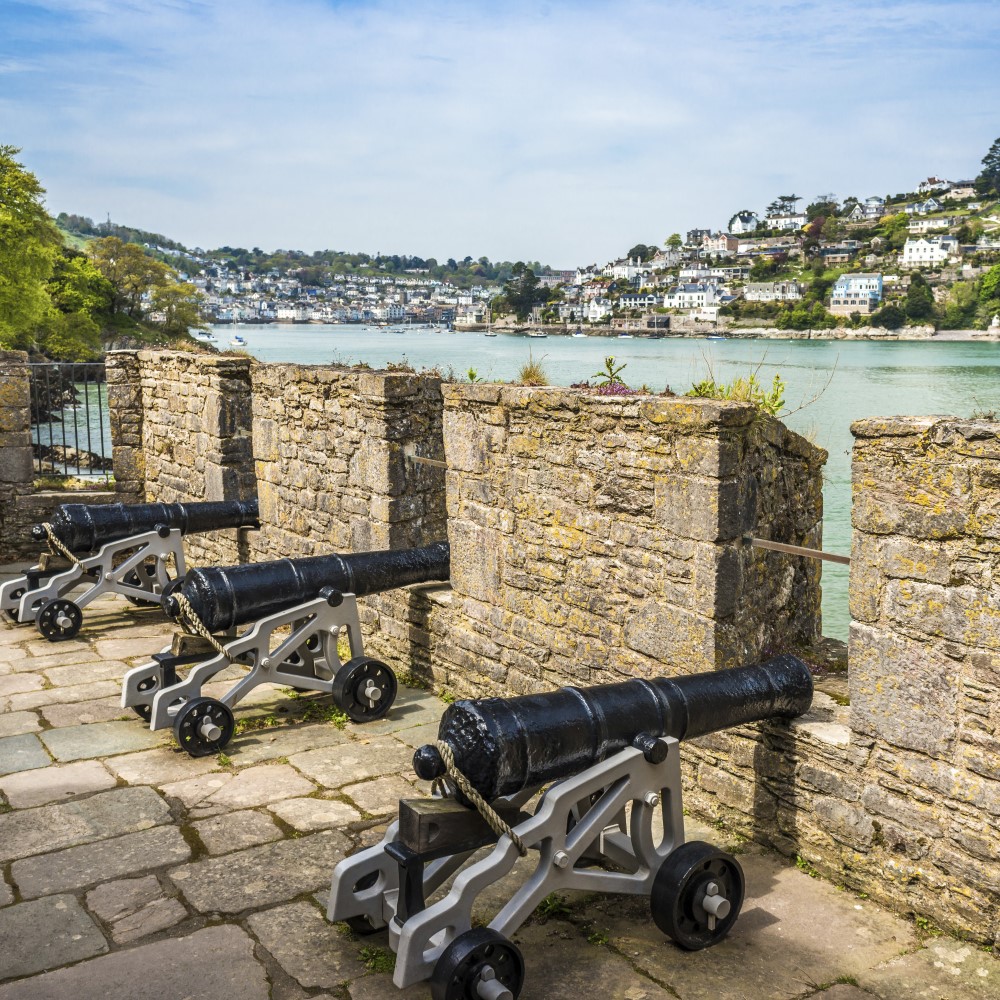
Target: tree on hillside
{"x": 989, "y": 290}
{"x": 129, "y": 271}
{"x": 178, "y": 305}
{"x": 521, "y": 290}
{"x": 641, "y": 252}
{"x": 988, "y": 181}
{"x": 919, "y": 302}
{"x": 29, "y": 243}
{"x": 823, "y": 204}
{"x": 674, "y": 241}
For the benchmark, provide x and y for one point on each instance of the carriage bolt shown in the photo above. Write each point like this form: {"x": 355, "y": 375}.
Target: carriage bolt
{"x": 209, "y": 730}
{"x": 560, "y": 859}
{"x": 651, "y": 799}
{"x": 490, "y": 988}
{"x": 265, "y": 661}
{"x": 109, "y": 577}
{"x": 715, "y": 904}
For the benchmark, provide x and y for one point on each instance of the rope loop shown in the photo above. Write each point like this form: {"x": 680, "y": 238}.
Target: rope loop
{"x": 56, "y": 546}
{"x": 495, "y": 821}
{"x": 190, "y": 620}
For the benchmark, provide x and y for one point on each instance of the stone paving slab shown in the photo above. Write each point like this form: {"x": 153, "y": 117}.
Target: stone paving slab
{"x": 86, "y": 673}
{"x": 236, "y": 831}
{"x": 57, "y": 657}
{"x": 307, "y": 815}
{"x": 334, "y": 767}
{"x": 944, "y": 970}
{"x": 789, "y": 934}
{"x": 22, "y": 753}
{"x": 18, "y": 683}
{"x": 164, "y": 765}
{"x": 101, "y": 816}
{"x": 54, "y": 783}
{"x": 381, "y": 796}
{"x": 211, "y": 963}
{"x": 261, "y": 876}
{"x": 257, "y": 786}
{"x": 135, "y": 908}
{"x": 6, "y": 893}
{"x": 310, "y": 950}
{"x": 283, "y": 741}
{"x": 92, "y": 863}
{"x": 102, "y": 739}
{"x": 16, "y": 723}
{"x": 82, "y": 713}
{"x": 45, "y": 934}
{"x": 86, "y": 691}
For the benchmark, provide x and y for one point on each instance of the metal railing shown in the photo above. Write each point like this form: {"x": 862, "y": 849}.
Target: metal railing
{"x": 70, "y": 426}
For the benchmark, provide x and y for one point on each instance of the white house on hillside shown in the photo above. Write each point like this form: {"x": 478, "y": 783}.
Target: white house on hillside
{"x": 933, "y": 184}
{"x": 772, "y": 291}
{"x": 692, "y": 296}
{"x": 795, "y": 220}
{"x": 743, "y": 222}
{"x": 927, "y": 251}
{"x": 598, "y": 309}
{"x": 860, "y": 293}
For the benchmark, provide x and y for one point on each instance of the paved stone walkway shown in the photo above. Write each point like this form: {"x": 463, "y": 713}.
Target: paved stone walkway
{"x": 130, "y": 870}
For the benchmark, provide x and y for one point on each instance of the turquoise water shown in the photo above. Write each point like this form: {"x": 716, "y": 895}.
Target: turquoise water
{"x": 828, "y": 384}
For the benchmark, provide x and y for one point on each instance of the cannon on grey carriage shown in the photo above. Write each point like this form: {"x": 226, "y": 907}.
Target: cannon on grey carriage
{"x": 612, "y": 753}
{"x": 111, "y": 548}
{"x": 299, "y": 609}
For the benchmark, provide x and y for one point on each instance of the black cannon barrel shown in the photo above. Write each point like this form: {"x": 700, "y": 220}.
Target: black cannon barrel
{"x": 225, "y": 596}
{"x": 85, "y": 527}
{"x": 504, "y": 745}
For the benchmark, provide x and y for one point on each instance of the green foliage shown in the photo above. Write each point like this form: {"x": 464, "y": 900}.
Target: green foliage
{"x": 642, "y": 252}
{"x": 598, "y": 938}
{"x": 611, "y": 373}
{"x": 377, "y": 958}
{"x": 988, "y": 181}
{"x": 472, "y": 375}
{"x": 29, "y": 248}
{"x": 553, "y": 905}
{"x": 919, "y": 298}
{"x": 744, "y": 390}
{"x": 805, "y": 866}
{"x": 674, "y": 241}
{"x": 894, "y": 230}
{"x": 989, "y": 286}
{"x": 889, "y": 317}
{"x": 224, "y": 760}
{"x": 177, "y": 306}
{"x": 522, "y": 292}
{"x": 806, "y": 315}
{"x": 130, "y": 273}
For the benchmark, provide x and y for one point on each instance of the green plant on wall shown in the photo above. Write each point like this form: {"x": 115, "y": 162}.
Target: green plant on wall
{"x": 611, "y": 373}
{"x": 742, "y": 389}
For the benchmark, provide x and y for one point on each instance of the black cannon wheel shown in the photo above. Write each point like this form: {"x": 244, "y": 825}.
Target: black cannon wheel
{"x": 477, "y": 956}
{"x": 59, "y": 619}
{"x": 134, "y": 579}
{"x": 364, "y": 688}
{"x": 147, "y": 687}
{"x": 203, "y": 726}
{"x": 360, "y": 925}
{"x": 682, "y": 897}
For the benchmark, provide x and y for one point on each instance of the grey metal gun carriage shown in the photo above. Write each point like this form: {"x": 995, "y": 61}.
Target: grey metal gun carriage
{"x": 313, "y": 600}
{"x": 612, "y": 752}
{"x": 130, "y": 546}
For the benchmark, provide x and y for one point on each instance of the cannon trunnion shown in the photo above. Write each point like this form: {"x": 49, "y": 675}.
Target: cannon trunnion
{"x": 299, "y": 609}
{"x": 132, "y": 545}
{"x": 611, "y": 822}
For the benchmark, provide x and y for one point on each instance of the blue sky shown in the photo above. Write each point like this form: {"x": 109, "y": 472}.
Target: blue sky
{"x": 558, "y": 131}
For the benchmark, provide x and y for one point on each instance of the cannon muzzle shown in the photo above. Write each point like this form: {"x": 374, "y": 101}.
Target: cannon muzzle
{"x": 86, "y": 527}
{"x": 505, "y": 745}
{"x": 226, "y": 596}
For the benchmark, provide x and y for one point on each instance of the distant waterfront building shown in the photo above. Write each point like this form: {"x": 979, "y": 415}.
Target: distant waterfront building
{"x": 641, "y": 302}
{"x": 926, "y": 225}
{"x": 772, "y": 291}
{"x": 860, "y": 293}
{"x": 928, "y": 251}
{"x": 933, "y": 184}
{"x": 598, "y": 309}
{"x": 692, "y": 296}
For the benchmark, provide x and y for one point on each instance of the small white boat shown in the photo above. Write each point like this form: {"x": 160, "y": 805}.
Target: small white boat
{"x": 489, "y": 333}
{"x": 579, "y": 333}
{"x": 624, "y": 336}
{"x": 204, "y": 336}
{"x": 536, "y": 335}
{"x": 237, "y": 341}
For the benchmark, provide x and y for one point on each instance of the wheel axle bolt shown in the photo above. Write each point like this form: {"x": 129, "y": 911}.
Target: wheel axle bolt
{"x": 209, "y": 730}
{"x": 109, "y": 577}
{"x": 265, "y": 661}
{"x": 372, "y": 693}
{"x": 63, "y": 622}
{"x": 560, "y": 859}
{"x": 490, "y": 988}
{"x": 651, "y": 799}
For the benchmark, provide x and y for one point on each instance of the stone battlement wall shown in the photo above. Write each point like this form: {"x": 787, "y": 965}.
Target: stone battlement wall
{"x": 594, "y": 538}
{"x": 181, "y": 431}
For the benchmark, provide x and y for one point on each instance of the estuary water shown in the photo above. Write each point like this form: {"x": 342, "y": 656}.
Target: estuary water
{"x": 828, "y": 385}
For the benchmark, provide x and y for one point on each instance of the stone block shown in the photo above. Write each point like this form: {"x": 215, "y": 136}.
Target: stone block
{"x": 55, "y": 783}
{"x": 102, "y": 739}
{"x": 902, "y": 691}
{"x": 82, "y": 866}
{"x": 218, "y": 962}
{"x": 22, "y": 753}
{"x": 44, "y": 934}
